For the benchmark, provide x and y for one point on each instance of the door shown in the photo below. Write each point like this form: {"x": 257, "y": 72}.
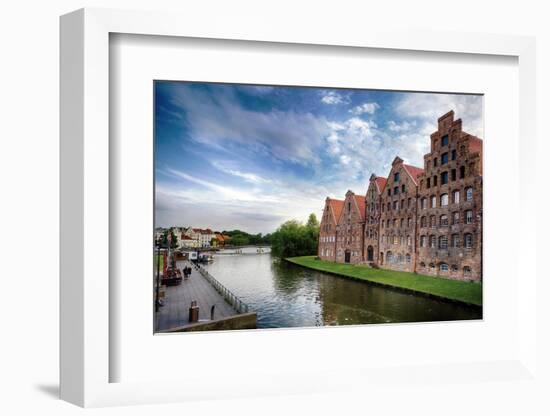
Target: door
{"x": 370, "y": 253}
{"x": 347, "y": 256}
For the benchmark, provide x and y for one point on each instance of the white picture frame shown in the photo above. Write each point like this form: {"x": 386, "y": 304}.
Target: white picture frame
{"x": 86, "y": 355}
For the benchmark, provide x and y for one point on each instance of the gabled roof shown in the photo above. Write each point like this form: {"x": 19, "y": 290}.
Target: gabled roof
{"x": 414, "y": 172}
{"x": 381, "y": 183}
{"x": 475, "y": 144}
{"x": 337, "y": 207}
{"x": 361, "y": 204}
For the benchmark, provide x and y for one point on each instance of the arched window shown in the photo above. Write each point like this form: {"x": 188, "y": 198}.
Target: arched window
{"x": 422, "y": 241}
{"x": 467, "y": 271}
{"x": 455, "y": 240}
{"x": 423, "y": 203}
{"x": 422, "y": 264}
{"x": 469, "y": 193}
{"x": 454, "y": 268}
{"x": 432, "y": 266}
{"x": 443, "y": 267}
{"x": 434, "y": 201}
{"x": 432, "y": 241}
{"x": 468, "y": 240}
{"x": 409, "y": 240}
{"x": 444, "y": 199}
{"x": 462, "y": 172}
{"x": 389, "y": 257}
{"x": 400, "y": 258}
{"x": 456, "y": 197}
{"x": 408, "y": 258}
{"x": 469, "y": 216}
{"x": 409, "y": 222}
{"x": 443, "y": 242}
{"x": 443, "y": 220}
{"x": 423, "y": 222}
{"x": 456, "y": 217}
{"x": 432, "y": 221}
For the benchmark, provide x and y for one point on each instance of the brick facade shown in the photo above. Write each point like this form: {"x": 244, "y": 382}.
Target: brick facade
{"x": 350, "y": 229}
{"x": 426, "y": 220}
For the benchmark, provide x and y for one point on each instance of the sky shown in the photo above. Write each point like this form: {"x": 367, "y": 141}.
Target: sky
{"x": 233, "y": 156}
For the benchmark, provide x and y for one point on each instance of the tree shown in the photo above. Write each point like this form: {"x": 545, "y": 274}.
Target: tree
{"x": 295, "y": 239}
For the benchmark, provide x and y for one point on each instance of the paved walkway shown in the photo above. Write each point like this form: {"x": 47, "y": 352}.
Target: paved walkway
{"x": 175, "y": 312}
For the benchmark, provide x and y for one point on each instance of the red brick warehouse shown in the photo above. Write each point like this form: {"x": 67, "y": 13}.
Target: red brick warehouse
{"x": 426, "y": 220}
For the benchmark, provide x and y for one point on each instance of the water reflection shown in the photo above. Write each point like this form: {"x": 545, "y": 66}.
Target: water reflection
{"x": 286, "y": 295}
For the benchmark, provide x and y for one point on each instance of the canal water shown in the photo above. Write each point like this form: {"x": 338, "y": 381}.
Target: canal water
{"x": 286, "y": 295}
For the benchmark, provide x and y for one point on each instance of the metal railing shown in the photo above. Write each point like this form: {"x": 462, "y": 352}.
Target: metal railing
{"x": 233, "y": 300}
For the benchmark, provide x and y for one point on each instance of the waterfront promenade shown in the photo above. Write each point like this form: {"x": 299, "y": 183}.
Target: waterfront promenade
{"x": 175, "y": 312}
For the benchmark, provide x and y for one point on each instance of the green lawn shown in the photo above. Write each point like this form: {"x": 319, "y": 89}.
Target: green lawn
{"x": 466, "y": 292}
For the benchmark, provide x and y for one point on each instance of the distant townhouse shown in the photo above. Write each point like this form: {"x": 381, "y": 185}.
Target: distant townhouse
{"x": 350, "y": 230}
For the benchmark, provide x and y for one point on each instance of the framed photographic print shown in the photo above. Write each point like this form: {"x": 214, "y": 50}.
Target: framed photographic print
{"x": 281, "y": 212}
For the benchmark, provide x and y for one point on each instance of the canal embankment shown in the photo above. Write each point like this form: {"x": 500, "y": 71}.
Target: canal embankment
{"x": 468, "y": 293}
{"x": 216, "y": 307}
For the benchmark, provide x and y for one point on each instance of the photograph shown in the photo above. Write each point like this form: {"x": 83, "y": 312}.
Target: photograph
{"x": 282, "y": 206}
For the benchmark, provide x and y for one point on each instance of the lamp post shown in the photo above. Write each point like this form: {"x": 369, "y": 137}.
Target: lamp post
{"x": 157, "y": 303}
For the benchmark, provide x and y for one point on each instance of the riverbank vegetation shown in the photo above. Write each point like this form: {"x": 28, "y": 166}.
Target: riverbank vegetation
{"x": 296, "y": 239}
{"x": 242, "y": 238}
{"x": 466, "y": 292}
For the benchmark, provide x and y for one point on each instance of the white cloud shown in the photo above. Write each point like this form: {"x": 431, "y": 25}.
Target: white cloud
{"x": 283, "y": 135}
{"x": 401, "y": 127}
{"x": 429, "y": 107}
{"x": 332, "y": 97}
{"x": 368, "y": 108}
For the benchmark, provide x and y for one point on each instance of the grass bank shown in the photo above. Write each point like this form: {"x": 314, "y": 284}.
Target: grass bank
{"x": 464, "y": 292}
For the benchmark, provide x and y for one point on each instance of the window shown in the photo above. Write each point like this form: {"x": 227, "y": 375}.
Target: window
{"x": 409, "y": 241}
{"x": 389, "y": 192}
{"x": 453, "y": 154}
{"x": 382, "y": 224}
{"x": 467, "y": 271}
{"x": 443, "y": 242}
{"x": 432, "y": 221}
{"x": 445, "y": 140}
{"x": 395, "y": 205}
{"x": 432, "y": 241}
{"x": 456, "y": 217}
{"x": 409, "y": 222}
{"x": 396, "y": 190}
{"x": 387, "y": 223}
{"x": 395, "y": 240}
{"x": 396, "y": 177}
{"x": 409, "y": 202}
{"x": 455, "y": 240}
{"x": 395, "y": 222}
{"x": 443, "y": 220}
{"x": 469, "y": 194}
{"x": 469, "y": 217}
{"x": 423, "y": 222}
{"x": 453, "y": 174}
{"x": 444, "y": 198}
{"x": 456, "y": 197}
{"x": 408, "y": 258}
{"x": 435, "y": 162}
{"x": 462, "y": 172}
{"x": 422, "y": 241}
{"x": 389, "y": 257}
{"x": 444, "y": 178}
{"x": 435, "y": 180}
{"x": 403, "y": 188}
{"x": 432, "y": 266}
{"x": 400, "y": 258}
{"x": 434, "y": 201}
{"x": 402, "y": 204}
{"x": 444, "y": 158}
{"x": 422, "y": 264}
{"x": 428, "y": 183}
{"x": 402, "y": 222}
{"x": 349, "y": 206}
{"x": 454, "y": 268}
{"x": 468, "y": 240}
{"x": 423, "y": 203}
{"x": 443, "y": 267}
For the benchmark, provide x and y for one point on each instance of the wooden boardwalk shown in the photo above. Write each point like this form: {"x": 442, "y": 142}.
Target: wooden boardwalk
{"x": 175, "y": 312}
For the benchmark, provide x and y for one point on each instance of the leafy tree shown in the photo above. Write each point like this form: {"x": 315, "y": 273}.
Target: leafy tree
{"x": 295, "y": 239}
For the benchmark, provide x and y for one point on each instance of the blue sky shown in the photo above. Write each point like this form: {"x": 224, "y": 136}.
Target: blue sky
{"x": 251, "y": 157}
